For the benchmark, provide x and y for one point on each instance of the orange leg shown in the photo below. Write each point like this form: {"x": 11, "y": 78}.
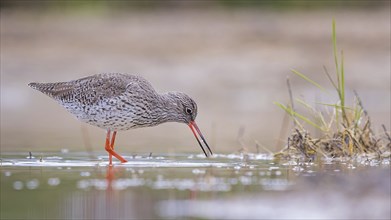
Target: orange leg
{"x": 110, "y": 148}
{"x": 112, "y": 145}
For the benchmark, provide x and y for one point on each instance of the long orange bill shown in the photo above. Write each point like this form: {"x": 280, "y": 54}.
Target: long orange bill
{"x": 194, "y": 128}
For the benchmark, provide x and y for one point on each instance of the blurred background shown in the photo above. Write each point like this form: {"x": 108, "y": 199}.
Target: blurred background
{"x": 232, "y": 57}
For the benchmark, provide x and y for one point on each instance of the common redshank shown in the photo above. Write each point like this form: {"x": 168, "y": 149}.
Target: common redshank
{"x": 119, "y": 102}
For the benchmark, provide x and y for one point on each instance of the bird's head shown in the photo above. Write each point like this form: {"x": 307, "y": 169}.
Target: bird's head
{"x": 184, "y": 110}
{"x": 184, "y": 107}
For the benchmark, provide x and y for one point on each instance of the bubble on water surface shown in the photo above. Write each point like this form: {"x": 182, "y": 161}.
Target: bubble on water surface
{"x": 328, "y": 161}
{"x": 245, "y": 180}
{"x": 54, "y": 181}
{"x": 249, "y": 173}
{"x": 99, "y": 184}
{"x": 54, "y": 158}
{"x": 7, "y": 173}
{"x": 222, "y": 188}
{"x": 82, "y": 184}
{"x": 290, "y": 163}
{"x": 32, "y": 184}
{"x": 200, "y": 155}
{"x": 64, "y": 150}
{"x": 198, "y": 171}
{"x": 159, "y": 177}
{"x": 275, "y": 184}
{"x": 234, "y": 156}
{"x": 233, "y": 181}
{"x": 265, "y": 157}
{"x": 122, "y": 184}
{"x": 131, "y": 170}
{"x": 374, "y": 163}
{"x": 215, "y": 184}
{"x": 18, "y": 185}
{"x": 85, "y": 173}
{"x": 297, "y": 169}
{"x": 274, "y": 168}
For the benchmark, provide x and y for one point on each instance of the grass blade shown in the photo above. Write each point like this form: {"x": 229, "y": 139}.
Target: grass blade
{"x": 334, "y": 39}
{"x": 308, "y": 80}
{"x": 335, "y": 106}
{"x": 342, "y": 87}
{"x": 295, "y": 114}
{"x": 331, "y": 80}
{"x": 317, "y": 114}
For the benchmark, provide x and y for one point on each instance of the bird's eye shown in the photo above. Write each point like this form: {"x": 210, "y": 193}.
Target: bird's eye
{"x": 189, "y": 111}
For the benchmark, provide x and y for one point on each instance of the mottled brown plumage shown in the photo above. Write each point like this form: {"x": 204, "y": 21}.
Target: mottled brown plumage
{"x": 115, "y": 102}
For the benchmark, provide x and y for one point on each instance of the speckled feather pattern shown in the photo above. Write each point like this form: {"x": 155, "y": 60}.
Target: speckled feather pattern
{"x": 118, "y": 101}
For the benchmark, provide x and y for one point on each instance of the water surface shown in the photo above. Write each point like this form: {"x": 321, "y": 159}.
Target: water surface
{"x": 228, "y": 186}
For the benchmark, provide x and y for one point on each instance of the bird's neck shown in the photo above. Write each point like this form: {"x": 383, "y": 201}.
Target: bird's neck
{"x": 169, "y": 106}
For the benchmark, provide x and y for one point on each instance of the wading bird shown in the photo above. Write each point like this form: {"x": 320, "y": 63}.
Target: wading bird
{"x": 119, "y": 102}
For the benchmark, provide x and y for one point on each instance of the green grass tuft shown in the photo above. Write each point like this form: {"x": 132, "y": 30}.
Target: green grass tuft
{"x": 352, "y": 135}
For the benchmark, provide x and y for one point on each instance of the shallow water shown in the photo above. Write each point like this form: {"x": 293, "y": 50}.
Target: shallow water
{"x": 69, "y": 185}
